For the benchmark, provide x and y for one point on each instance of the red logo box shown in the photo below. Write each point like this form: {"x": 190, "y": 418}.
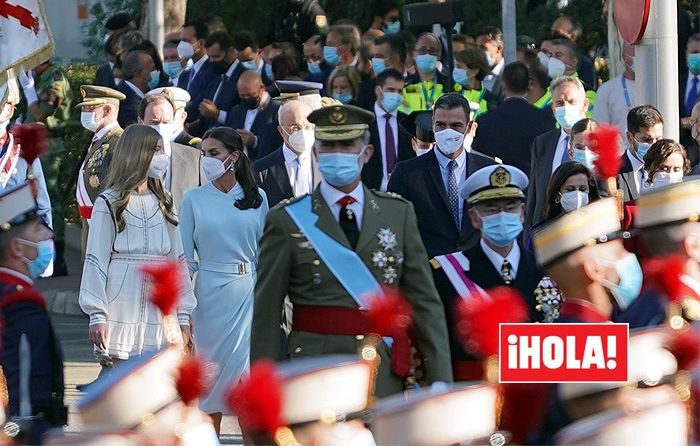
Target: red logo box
{"x": 554, "y": 353}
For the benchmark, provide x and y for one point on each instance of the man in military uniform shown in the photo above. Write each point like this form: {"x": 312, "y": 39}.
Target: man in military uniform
{"x": 327, "y": 250}
{"x": 31, "y": 355}
{"x": 180, "y": 98}
{"x": 48, "y": 95}
{"x": 99, "y": 110}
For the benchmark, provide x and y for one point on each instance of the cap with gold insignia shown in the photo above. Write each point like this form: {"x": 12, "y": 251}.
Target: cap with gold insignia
{"x": 436, "y": 417}
{"x": 667, "y": 205}
{"x": 179, "y": 96}
{"x": 494, "y": 182}
{"x": 595, "y": 223}
{"x": 98, "y": 95}
{"x": 17, "y": 206}
{"x": 340, "y": 122}
{"x": 419, "y": 124}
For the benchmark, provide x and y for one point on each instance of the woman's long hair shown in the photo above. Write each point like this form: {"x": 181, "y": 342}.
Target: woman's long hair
{"x": 568, "y": 169}
{"x": 657, "y": 154}
{"x": 244, "y": 173}
{"x": 129, "y": 168}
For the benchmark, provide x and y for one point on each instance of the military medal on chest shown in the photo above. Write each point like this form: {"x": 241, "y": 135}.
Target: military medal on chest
{"x": 548, "y": 299}
{"x": 387, "y": 257}
{"x": 94, "y": 181}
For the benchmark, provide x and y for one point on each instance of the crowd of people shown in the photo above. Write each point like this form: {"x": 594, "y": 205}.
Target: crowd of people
{"x": 287, "y": 182}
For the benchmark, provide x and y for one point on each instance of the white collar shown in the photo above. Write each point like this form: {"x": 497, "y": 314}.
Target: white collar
{"x": 636, "y": 164}
{"x": 380, "y": 112}
{"x": 135, "y": 88}
{"x": 104, "y": 130}
{"x": 498, "y": 69}
{"x": 232, "y": 68}
{"x": 261, "y": 64}
{"x": 562, "y": 135}
{"x": 496, "y": 259}
{"x": 332, "y": 195}
{"x": 443, "y": 160}
{"x": 197, "y": 65}
{"x": 17, "y": 274}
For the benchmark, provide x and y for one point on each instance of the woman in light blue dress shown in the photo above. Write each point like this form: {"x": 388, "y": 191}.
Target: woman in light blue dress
{"x": 221, "y": 224}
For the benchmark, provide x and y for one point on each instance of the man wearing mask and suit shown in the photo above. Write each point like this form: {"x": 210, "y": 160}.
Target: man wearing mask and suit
{"x": 180, "y": 99}
{"x": 290, "y": 171}
{"x": 185, "y": 171}
{"x": 255, "y": 118}
{"x": 391, "y": 143}
{"x": 645, "y": 126}
{"x": 197, "y": 78}
{"x": 140, "y": 76}
{"x": 431, "y": 181}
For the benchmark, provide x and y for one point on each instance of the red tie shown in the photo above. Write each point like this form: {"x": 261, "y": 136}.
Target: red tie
{"x": 390, "y": 145}
{"x": 346, "y": 200}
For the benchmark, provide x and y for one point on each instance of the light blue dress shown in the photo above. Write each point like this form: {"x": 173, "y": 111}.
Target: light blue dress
{"x": 220, "y": 242}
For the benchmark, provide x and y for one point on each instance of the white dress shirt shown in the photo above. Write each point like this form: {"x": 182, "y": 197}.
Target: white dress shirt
{"x": 195, "y": 69}
{"x": 638, "y": 169}
{"x": 332, "y": 195}
{"x": 490, "y": 79}
{"x": 135, "y": 88}
{"x": 497, "y": 260}
{"x": 221, "y": 119}
{"x": 611, "y": 106}
{"x": 461, "y": 172}
{"x": 562, "y": 147}
{"x": 292, "y": 163}
{"x": 379, "y": 112}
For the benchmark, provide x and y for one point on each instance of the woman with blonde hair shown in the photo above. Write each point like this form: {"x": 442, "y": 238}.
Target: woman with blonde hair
{"x": 344, "y": 84}
{"x": 133, "y": 224}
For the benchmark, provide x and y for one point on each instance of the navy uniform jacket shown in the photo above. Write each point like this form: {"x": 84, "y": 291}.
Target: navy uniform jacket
{"x": 264, "y": 127}
{"x": 23, "y": 310}
{"x": 128, "y": 107}
{"x": 272, "y": 176}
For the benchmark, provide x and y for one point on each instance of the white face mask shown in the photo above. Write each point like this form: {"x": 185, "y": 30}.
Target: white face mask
{"x": 572, "y": 200}
{"x": 449, "y": 141}
{"x": 555, "y": 68}
{"x": 89, "y": 121}
{"x": 543, "y": 58}
{"x": 214, "y": 168}
{"x": 301, "y": 140}
{"x": 185, "y": 50}
{"x": 159, "y": 165}
{"x": 665, "y": 178}
{"x": 117, "y": 80}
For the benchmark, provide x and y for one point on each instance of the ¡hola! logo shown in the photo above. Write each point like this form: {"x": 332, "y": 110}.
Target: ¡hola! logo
{"x": 563, "y": 352}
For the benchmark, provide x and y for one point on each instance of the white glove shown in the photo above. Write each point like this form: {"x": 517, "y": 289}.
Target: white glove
{"x": 26, "y": 80}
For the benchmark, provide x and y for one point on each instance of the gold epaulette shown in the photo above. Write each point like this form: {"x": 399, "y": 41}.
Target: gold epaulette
{"x": 435, "y": 264}
{"x": 194, "y": 140}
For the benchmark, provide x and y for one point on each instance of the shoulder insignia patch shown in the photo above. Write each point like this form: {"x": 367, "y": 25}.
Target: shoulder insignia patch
{"x": 393, "y": 195}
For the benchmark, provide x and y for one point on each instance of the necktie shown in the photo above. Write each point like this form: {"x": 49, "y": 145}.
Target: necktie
{"x": 692, "y": 97}
{"x": 507, "y": 272}
{"x": 390, "y": 145}
{"x": 301, "y": 182}
{"x": 453, "y": 191}
{"x": 565, "y": 155}
{"x": 347, "y": 220}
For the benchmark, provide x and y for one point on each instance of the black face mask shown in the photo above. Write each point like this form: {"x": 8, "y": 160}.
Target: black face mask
{"x": 220, "y": 67}
{"x": 251, "y": 103}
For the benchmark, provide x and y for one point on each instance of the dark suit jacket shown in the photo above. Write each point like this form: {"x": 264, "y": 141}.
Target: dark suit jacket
{"x": 419, "y": 180}
{"x": 104, "y": 77}
{"x": 366, "y": 96}
{"x": 542, "y": 157}
{"x": 483, "y": 273}
{"x": 264, "y": 127}
{"x": 372, "y": 171}
{"x": 322, "y": 77}
{"x": 128, "y": 107}
{"x": 586, "y": 72}
{"x": 197, "y": 89}
{"x": 273, "y": 178}
{"x": 509, "y": 130}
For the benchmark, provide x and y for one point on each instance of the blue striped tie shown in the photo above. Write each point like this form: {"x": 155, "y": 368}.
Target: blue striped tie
{"x": 453, "y": 191}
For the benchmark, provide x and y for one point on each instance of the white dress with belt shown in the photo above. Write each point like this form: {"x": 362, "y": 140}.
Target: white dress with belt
{"x": 225, "y": 242}
{"x": 113, "y": 288}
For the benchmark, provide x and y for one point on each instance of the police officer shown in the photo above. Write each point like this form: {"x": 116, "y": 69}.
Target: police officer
{"x": 328, "y": 249}
{"x": 49, "y": 96}
{"x": 99, "y": 110}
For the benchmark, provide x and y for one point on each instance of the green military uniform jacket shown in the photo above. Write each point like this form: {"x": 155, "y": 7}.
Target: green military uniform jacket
{"x": 97, "y": 160}
{"x": 289, "y": 265}
{"x": 55, "y": 98}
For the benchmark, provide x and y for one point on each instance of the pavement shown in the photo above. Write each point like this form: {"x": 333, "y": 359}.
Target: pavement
{"x": 71, "y": 325}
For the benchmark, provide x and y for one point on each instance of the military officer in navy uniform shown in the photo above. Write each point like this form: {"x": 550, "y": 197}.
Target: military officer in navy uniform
{"x": 376, "y": 236}
{"x": 495, "y": 198}
{"x": 30, "y": 356}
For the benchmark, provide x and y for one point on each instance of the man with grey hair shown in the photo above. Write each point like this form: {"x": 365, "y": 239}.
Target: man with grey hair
{"x": 136, "y": 73}
{"x": 329, "y": 249}
{"x": 551, "y": 149}
{"x": 290, "y": 171}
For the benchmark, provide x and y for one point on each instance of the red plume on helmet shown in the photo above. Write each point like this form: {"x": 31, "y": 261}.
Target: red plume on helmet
{"x": 165, "y": 285}
{"x": 605, "y": 142}
{"x": 33, "y": 140}
{"x": 257, "y": 400}
{"x": 664, "y": 274}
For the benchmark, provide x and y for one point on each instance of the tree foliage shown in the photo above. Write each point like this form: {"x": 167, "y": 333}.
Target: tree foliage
{"x": 93, "y": 30}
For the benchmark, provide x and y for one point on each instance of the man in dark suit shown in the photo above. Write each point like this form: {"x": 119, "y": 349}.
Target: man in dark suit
{"x": 136, "y": 70}
{"x": 104, "y": 76}
{"x": 317, "y": 67}
{"x": 196, "y": 79}
{"x": 508, "y": 131}
{"x": 689, "y": 87}
{"x": 490, "y": 40}
{"x": 255, "y": 118}
{"x": 290, "y": 171}
{"x": 431, "y": 181}
{"x": 391, "y": 143}
{"x": 388, "y": 52}
{"x": 645, "y": 126}
{"x": 572, "y": 30}
{"x": 550, "y": 150}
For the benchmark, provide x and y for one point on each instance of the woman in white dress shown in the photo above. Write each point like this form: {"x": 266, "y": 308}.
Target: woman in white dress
{"x": 221, "y": 223}
{"x": 133, "y": 224}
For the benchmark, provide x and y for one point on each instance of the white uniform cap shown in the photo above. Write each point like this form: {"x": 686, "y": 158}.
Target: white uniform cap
{"x": 493, "y": 182}
{"x": 649, "y": 363}
{"x": 179, "y": 96}
{"x": 679, "y": 202}
{"x": 447, "y": 417}
{"x": 17, "y": 206}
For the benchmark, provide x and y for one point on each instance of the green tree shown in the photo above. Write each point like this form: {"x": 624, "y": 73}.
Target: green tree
{"x": 94, "y": 31}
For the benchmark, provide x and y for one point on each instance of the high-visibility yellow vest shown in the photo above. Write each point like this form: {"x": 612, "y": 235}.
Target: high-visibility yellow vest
{"x": 545, "y": 101}
{"x": 421, "y": 96}
{"x": 476, "y": 96}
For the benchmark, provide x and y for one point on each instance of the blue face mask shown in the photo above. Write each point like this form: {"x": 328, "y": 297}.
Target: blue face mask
{"x": 340, "y": 169}
{"x": 155, "y": 79}
{"x": 392, "y": 28}
{"x": 502, "y": 228}
{"x": 391, "y": 101}
{"x": 250, "y": 64}
{"x": 642, "y": 149}
{"x": 460, "y": 76}
{"x": 44, "y": 256}
{"x": 314, "y": 68}
{"x": 268, "y": 71}
{"x": 172, "y": 69}
{"x": 426, "y": 63}
{"x": 631, "y": 277}
{"x": 585, "y": 157}
{"x": 567, "y": 115}
{"x": 343, "y": 97}
{"x": 378, "y": 65}
{"x": 330, "y": 53}
{"x": 694, "y": 63}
